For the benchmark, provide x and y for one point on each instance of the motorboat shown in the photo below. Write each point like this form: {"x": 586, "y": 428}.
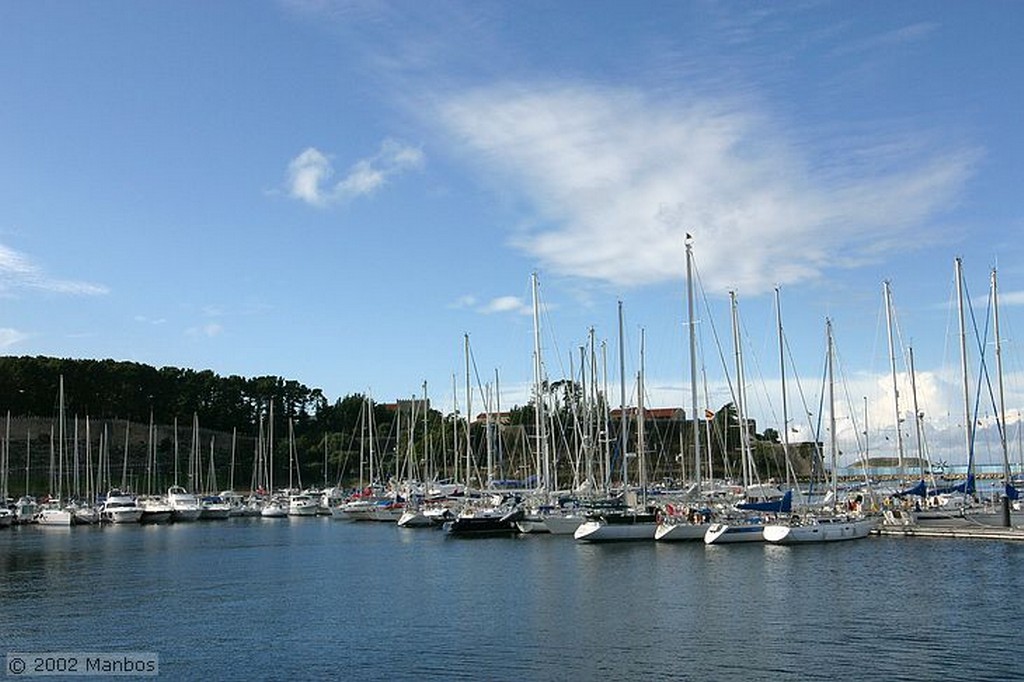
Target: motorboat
{"x": 184, "y": 505}
{"x": 120, "y": 507}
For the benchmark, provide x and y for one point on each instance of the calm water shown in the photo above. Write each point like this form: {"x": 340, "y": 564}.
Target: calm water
{"x": 315, "y": 598}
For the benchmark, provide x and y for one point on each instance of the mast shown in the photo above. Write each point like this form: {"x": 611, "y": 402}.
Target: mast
{"x": 887, "y": 293}
{"x": 539, "y": 416}
{"x": 175, "y": 451}
{"x": 427, "y": 473}
{"x": 832, "y": 410}
{"x": 469, "y": 418}
{"x": 1001, "y": 418}
{"x": 60, "y": 444}
{"x": 622, "y": 404}
{"x": 968, "y": 421}
{"x": 740, "y": 398}
{"x": 691, "y": 316}
{"x": 641, "y": 436}
{"x": 790, "y": 478}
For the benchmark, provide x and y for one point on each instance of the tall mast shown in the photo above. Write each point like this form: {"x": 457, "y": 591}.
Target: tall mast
{"x": 740, "y": 398}
{"x": 1001, "y": 417}
{"x": 539, "y": 417}
{"x": 641, "y": 436}
{"x": 968, "y": 421}
{"x": 790, "y": 479}
{"x": 469, "y": 416}
{"x": 691, "y": 316}
{"x": 832, "y": 409}
{"x": 887, "y": 293}
{"x": 622, "y": 403}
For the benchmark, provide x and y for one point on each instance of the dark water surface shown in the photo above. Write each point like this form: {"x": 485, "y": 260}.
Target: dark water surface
{"x": 250, "y": 599}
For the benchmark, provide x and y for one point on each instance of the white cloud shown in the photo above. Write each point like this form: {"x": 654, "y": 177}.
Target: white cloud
{"x": 618, "y": 178}
{"x": 506, "y": 304}
{"x": 18, "y": 271}
{"x": 311, "y": 172}
{"x": 11, "y": 337}
{"x": 1011, "y": 298}
{"x": 209, "y": 330}
{"x": 464, "y": 301}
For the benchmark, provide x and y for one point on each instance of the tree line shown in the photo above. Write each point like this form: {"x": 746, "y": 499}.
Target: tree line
{"x": 317, "y": 441}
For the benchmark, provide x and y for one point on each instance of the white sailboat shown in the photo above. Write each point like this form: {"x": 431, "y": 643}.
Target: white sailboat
{"x": 748, "y": 522}
{"x": 55, "y": 511}
{"x": 827, "y": 525}
{"x": 634, "y": 521}
{"x": 691, "y": 524}
{"x": 6, "y": 515}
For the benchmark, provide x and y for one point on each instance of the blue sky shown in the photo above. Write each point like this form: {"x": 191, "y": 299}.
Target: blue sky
{"x": 337, "y": 192}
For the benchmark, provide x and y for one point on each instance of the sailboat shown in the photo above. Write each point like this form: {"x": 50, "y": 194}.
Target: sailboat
{"x": 155, "y": 508}
{"x": 6, "y": 515}
{"x": 690, "y": 523}
{"x": 823, "y": 527}
{"x": 628, "y": 521}
{"x": 747, "y": 524}
{"x": 55, "y": 512}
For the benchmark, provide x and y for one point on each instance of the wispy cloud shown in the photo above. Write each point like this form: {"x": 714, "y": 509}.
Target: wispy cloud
{"x": 506, "y": 304}
{"x": 1011, "y": 298}
{"x": 11, "y": 337}
{"x": 495, "y": 306}
{"x": 617, "y": 179}
{"x": 17, "y": 271}
{"x": 208, "y": 330}
{"x": 311, "y": 173}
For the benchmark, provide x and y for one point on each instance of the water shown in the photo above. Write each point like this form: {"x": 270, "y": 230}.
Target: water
{"x": 250, "y": 599}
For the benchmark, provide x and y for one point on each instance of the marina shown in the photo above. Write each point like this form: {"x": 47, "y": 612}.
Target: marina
{"x": 313, "y": 598}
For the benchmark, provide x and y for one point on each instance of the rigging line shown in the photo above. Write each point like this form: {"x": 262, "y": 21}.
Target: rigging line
{"x": 984, "y": 380}
{"x": 715, "y": 335}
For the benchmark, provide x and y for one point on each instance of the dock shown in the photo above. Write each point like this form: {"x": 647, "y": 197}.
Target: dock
{"x": 972, "y": 532}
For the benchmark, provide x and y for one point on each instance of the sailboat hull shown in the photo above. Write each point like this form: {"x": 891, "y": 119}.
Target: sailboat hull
{"x": 821, "y": 530}
{"x": 603, "y": 531}
{"x": 724, "y": 533}
{"x": 681, "y": 532}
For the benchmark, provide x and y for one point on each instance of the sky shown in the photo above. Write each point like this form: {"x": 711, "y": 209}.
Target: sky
{"x": 340, "y": 192}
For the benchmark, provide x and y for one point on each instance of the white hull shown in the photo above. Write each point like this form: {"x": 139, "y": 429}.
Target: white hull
{"x": 724, "y": 533}
{"x": 819, "y": 530}
{"x": 304, "y": 506}
{"x": 563, "y": 524}
{"x": 126, "y": 515}
{"x": 600, "y": 531}
{"x": 86, "y": 516}
{"x": 387, "y": 515}
{"x": 184, "y": 505}
{"x": 6, "y": 518}
{"x": 219, "y": 511}
{"x": 55, "y": 517}
{"x": 185, "y": 514}
{"x": 154, "y": 510}
{"x": 415, "y": 519}
{"x": 532, "y": 525}
{"x": 681, "y": 532}
{"x": 357, "y": 510}
{"x": 273, "y": 510}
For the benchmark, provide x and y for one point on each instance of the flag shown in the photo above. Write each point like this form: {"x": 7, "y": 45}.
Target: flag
{"x": 708, "y": 414}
